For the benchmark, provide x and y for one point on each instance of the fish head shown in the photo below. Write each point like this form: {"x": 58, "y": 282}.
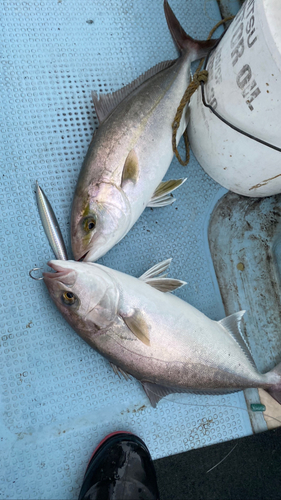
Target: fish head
{"x": 100, "y": 218}
{"x": 84, "y": 293}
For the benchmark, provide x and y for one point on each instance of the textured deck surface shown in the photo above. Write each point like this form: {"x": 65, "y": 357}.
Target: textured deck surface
{"x": 58, "y": 397}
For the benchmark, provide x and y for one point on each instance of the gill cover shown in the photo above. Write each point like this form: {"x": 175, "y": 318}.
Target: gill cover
{"x": 84, "y": 293}
{"x": 102, "y": 220}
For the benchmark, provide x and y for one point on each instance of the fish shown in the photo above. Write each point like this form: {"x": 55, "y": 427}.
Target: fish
{"x": 147, "y": 332}
{"x": 50, "y": 224}
{"x": 131, "y": 150}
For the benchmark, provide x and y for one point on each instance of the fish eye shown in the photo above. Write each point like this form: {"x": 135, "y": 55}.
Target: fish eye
{"x": 90, "y": 223}
{"x": 68, "y": 298}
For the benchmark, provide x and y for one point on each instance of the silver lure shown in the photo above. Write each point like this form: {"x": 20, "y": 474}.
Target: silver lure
{"x": 50, "y": 224}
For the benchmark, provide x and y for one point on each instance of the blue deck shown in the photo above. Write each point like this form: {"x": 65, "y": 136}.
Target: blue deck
{"x": 58, "y": 396}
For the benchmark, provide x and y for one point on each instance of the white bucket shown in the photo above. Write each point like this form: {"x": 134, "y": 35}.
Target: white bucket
{"x": 244, "y": 87}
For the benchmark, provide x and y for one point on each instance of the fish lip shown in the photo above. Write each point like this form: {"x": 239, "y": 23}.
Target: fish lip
{"x": 83, "y": 256}
{"x": 60, "y": 272}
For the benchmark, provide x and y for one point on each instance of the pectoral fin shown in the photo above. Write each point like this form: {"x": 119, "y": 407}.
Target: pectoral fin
{"x": 161, "y": 196}
{"x": 138, "y": 326}
{"x": 131, "y": 168}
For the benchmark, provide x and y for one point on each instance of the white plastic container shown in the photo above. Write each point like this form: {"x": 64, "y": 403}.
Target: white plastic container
{"x": 244, "y": 86}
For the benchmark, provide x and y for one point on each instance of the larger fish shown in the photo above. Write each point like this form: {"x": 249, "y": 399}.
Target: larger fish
{"x": 158, "y": 338}
{"x": 131, "y": 151}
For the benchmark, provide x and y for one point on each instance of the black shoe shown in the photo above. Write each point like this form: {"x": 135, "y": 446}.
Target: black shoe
{"x": 121, "y": 468}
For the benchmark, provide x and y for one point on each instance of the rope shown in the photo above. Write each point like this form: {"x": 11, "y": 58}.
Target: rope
{"x": 199, "y": 76}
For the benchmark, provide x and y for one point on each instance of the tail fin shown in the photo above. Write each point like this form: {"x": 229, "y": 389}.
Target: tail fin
{"x": 184, "y": 42}
{"x": 275, "y": 391}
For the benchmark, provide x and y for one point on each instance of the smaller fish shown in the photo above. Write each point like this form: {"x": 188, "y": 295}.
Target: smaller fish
{"x": 131, "y": 150}
{"x": 50, "y": 224}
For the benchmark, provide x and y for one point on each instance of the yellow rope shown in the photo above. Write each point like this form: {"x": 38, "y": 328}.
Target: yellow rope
{"x": 199, "y": 76}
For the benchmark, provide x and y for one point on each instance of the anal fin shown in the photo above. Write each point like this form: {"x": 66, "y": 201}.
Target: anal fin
{"x": 232, "y": 325}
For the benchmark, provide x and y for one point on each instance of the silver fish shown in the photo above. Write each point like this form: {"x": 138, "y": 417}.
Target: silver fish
{"x": 131, "y": 151}
{"x": 154, "y": 336}
{"x": 50, "y": 224}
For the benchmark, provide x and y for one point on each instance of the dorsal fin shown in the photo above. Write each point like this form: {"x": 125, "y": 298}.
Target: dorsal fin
{"x": 106, "y": 103}
{"x": 232, "y": 325}
{"x": 156, "y": 392}
{"x": 118, "y": 371}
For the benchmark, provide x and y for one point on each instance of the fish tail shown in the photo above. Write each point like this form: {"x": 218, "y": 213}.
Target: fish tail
{"x": 184, "y": 42}
{"x": 275, "y": 390}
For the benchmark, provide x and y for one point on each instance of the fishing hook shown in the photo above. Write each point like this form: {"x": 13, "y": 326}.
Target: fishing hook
{"x": 35, "y": 269}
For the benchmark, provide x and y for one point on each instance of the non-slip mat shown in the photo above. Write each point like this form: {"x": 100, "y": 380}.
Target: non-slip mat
{"x": 242, "y": 469}
{"x": 58, "y": 396}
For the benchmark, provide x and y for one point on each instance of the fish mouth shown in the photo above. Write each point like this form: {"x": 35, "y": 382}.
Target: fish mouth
{"x": 83, "y": 256}
{"x": 60, "y": 272}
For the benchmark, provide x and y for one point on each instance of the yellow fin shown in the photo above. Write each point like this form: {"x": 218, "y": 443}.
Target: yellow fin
{"x": 161, "y": 196}
{"x": 131, "y": 168}
{"x": 138, "y": 326}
